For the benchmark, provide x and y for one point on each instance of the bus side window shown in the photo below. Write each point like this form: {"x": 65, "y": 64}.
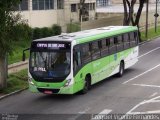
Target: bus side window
{"x": 112, "y": 46}
{"x": 85, "y": 53}
{"x": 136, "y": 37}
{"x": 132, "y": 40}
{"x": 119, "y": 43}
{"x": 104, "y": 47}
{"x": 76, "y": 60}
{"x": 95, "y": 50}
{"x": 126, "y": 41}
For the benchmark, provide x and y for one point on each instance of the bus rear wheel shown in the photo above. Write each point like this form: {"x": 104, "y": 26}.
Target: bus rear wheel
{"x": 121, "y": 69}
{"x": 86, "y": 85}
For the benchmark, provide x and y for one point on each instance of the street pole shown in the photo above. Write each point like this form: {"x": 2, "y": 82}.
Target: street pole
{"x": 81, "y": 22}
{"x": 147, "y": 5}
{"x": 156, "y": 15}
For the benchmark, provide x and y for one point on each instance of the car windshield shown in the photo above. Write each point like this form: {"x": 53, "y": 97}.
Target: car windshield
{"x": 50, "y": 64}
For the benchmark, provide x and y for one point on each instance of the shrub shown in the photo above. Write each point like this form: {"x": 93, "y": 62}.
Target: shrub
{"x": 37, "y": 33}
{"x": 46, "y": 32}
{"x": 56, "y": 30}
{"x": 22, "y": 32}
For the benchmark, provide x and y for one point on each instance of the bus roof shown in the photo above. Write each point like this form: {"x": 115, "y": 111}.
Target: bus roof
{"x": 90, "y": 35}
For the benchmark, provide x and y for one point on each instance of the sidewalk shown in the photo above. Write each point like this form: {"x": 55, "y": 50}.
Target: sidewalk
{"x": 16, "y": 67}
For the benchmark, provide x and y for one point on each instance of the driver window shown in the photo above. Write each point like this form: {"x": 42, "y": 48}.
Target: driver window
{"x": 77, "y": 60}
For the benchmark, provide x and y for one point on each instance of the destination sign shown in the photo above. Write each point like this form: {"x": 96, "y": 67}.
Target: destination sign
{"x": 50, "y": 46}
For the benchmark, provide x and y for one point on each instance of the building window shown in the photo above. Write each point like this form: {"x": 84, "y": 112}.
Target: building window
{"x": 87, "y": 6}
{"x": 60, "y": 4}
{"x": 22, "y": 6}
{"x": 92, "y": 6}
{"x": 42, "y": 4}
{"x": 73, "y": 8}
{"x": 102, "y": 3}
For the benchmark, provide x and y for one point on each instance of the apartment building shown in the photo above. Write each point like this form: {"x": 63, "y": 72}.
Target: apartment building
{"x": 45, "y": 13}
{"x": 121, "y": 1}
{"x": 104, "y": 3}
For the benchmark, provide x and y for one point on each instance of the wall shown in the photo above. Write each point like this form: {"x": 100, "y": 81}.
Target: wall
{"x": 46, "y": 18}
{"x": 43, "y": 18}
{"x": 116, "y": 19}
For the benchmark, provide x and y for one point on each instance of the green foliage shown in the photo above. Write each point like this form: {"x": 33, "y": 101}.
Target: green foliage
{"x": 19, "y": 46}
{"x": 56, "y": 30}
{"x": 8, "y": 21}
{"x": 73, "y": 27}
{"x": 46, "y": 32}
{"x": 151, "y": 34}
{"x": 22, "y": 32}
{"x": 37, "y": 33}
{"x": 15, "y": 82}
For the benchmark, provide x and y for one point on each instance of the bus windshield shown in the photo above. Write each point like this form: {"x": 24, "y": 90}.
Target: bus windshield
{"x": 50, "y": 64}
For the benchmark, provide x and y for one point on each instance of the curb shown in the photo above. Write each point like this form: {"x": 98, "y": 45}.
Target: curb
{"x": 13, "y": 93}
{"x": 149, "y": 40}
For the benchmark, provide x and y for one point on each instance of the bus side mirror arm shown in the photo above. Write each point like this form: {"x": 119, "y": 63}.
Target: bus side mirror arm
{"x": 24, "y": 55}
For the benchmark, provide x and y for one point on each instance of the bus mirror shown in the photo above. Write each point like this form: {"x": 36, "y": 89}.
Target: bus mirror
{"x": 24, "y": 56}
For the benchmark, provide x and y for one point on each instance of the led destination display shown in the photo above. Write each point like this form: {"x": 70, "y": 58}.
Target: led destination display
{"x": 50, "y": 46}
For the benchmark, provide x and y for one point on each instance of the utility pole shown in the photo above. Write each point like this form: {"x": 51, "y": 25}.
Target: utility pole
{"x": 156, "y": 15}
{"x": 147, "y": 5}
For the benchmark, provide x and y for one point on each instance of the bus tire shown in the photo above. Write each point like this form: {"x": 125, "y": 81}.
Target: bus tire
{"x": 121, "y": 69}
{"x": 86, "y": 85}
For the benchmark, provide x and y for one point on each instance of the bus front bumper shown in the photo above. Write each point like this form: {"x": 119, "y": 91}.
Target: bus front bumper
{"x": 51, "y": 90}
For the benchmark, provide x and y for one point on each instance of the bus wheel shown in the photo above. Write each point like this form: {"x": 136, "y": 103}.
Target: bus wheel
{"x": 86, "y": 85}
{"x": 121, "y": 70}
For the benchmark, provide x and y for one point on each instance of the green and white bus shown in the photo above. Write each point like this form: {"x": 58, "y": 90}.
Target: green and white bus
{"x": 69, "y": 63}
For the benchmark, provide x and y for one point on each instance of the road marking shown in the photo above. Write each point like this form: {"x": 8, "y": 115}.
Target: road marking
{"x": 142, "y": 74}
{"x": 152, "y": 100}
{"x": 79, "y": 114}
{"x": 154, "y": 94}
{"x": 147, "y": 112}
{"x": 149, "y": 52}
{"x": 144, "y": 85}
{"x": 83, "y": 112}
{"x": 101, "y": 114}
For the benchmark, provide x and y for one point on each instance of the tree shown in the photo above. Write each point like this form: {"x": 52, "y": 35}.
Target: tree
{"x": 84, "y": 12}
{"x": 129, "y": 16}
{"x": 81, "y": 8}
{"x": 8, "y": 21}
{"x": 129, "y": 12}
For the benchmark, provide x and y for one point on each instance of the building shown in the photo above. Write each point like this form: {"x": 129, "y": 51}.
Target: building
{"x": 103, "y": 3}
{"x": 121, "y": 1}
{"x": 45, "y": 13}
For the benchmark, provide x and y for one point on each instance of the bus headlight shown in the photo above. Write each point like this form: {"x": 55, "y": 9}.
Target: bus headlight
{"x": 67, "y": 83}
{"x": 30, "y": 80}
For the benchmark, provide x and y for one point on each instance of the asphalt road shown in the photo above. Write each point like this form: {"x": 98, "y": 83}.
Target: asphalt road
{"x": 137, "y": 92}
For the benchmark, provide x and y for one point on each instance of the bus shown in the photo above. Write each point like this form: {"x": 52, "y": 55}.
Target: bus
{"x": 71, "y": 63}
